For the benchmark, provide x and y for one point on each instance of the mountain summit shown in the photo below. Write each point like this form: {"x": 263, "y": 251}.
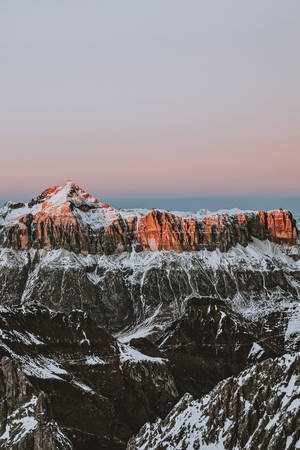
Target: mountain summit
{"x": 54, "y": 202}
{"x": 70, "y": 192}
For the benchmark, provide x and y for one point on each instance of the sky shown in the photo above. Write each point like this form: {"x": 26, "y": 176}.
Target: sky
{"x": 150, "y": 98}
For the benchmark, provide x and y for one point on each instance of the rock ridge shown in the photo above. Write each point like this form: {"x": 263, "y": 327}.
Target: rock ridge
{"x": 69, "y": 218}
{"x": 258, "y": 409}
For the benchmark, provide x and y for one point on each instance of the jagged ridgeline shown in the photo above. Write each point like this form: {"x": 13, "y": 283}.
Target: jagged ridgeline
{"x": 67, "y": 250}
{"x": 69, "y": 218}
{"x": 110, "y": 318}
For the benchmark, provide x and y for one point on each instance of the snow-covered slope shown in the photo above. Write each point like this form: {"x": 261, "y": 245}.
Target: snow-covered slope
{"x": 258, "y": 409}
{"x": 135, "y": 293}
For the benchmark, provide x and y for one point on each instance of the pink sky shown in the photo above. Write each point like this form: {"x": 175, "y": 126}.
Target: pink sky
{"x": 132, "y": 100}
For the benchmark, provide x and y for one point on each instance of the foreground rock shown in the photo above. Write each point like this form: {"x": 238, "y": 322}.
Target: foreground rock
{"x": 67, "y": 383}
{"x": 258, "y": 409}
{"x": 62, "y": 375}
{"x": 26, "y": 420}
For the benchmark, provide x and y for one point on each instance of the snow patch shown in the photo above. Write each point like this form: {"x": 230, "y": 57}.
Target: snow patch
{"x": 42, "y": 367}
{"x": 130, "y": 354}
{"x": 93, "y": 360}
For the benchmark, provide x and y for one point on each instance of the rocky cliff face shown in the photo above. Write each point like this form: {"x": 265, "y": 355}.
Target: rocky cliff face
{"x": 210, "y": 342}
{"x": 69, "y": 218}
{"x": 26, "y": 420}
{"x": 144, "y": 292}
{"x": 165, "y": 231}
{"x": 258, "y": 409}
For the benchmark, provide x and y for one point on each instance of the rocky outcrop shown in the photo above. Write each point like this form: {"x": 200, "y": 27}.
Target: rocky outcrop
{"x": 26, "y": 420}
{"x": 211, "y": 342}
{"x": 63, "y": 377}
{"x": 69, "y": 218}
{"x": 258, "y": 409}
{"x": 67, "y": 383}
{"x": 165, "y": 231}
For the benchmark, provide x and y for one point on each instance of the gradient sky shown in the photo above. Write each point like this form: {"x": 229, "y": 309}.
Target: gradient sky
{"x": 159, "y": 97}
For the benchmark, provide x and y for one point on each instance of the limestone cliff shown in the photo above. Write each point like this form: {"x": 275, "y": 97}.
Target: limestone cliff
{"x": 69, "y": 218}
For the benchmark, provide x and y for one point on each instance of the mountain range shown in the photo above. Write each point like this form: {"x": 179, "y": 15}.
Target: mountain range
{"x": 147, "y": 328}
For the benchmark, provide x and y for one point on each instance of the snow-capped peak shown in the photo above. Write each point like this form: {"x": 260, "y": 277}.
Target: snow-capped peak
{"x": 65, "y": 201}
{"x": 69, "y": 192}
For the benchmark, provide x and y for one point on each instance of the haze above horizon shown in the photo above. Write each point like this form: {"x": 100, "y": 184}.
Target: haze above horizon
{"x": 193, "y": 203}
{"x": 151, "y": 100}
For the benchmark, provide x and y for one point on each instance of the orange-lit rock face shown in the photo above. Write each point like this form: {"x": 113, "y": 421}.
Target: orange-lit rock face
{"x": 56, "y": 219}
{"x": 281, "y": 228}
{"x": 67, "y": 217}
{"x": 164, "y": 231}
